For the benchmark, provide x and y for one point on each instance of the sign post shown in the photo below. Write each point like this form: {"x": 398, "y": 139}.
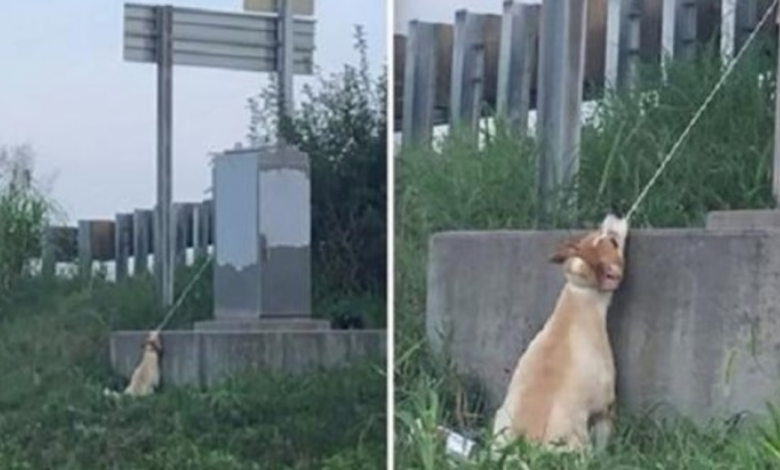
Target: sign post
{"x": 163, "y": 236}
{"x": 287, "y": 48}
{"x": 776, "y": 161}
{"x": 167, "y": 36}
{"x": 286, "y": 9}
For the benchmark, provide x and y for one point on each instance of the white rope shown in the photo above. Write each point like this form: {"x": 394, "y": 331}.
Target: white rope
{"x": 184, "y": 293}
{"x": 700, "y": 112}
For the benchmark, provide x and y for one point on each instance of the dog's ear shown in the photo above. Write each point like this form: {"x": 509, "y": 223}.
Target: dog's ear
{"x": 565, "y": 251}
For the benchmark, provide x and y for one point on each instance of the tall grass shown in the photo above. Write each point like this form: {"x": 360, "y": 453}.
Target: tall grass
{"x": 24, "y": 213}
{"x": 54, "y": 366}
{"x": 724, "y": 164}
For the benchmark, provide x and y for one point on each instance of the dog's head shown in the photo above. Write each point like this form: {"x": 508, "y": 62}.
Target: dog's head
{"x": 596, "y": 260}
{"x": 152, "y": 342}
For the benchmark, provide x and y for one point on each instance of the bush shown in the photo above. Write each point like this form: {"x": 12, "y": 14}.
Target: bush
{"x": 24, "y": 213}
{"x": 53, "y": 414}
{"x": 341, "y": 125}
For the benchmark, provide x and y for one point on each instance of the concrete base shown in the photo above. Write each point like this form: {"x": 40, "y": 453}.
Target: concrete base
{"x": 264, "y": 324}
{"x": 696, "y": 324}
{"x": 207, "y": 357}
{"x": 743, "y": 220}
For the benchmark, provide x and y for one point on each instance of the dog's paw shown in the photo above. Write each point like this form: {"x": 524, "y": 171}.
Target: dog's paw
{"x": 111, "y": 393}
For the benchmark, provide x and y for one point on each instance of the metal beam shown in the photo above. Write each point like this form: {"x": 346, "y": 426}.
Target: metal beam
{"x": 776, "y": 169}
{"x": 468, "y": 70}
{"x": 163, "y": 259}
{"x": 123, "y": 244}
{"x": 561, "y": 75}
{"x": 142, "y": 240}
{"x": 205, "y": 38}
{"x": 419, "y": 83}
{"x": 286, "y": 63}
{"x": 622, "y": 42}
{"x": 300, "y": 7}
{"x": 517, "y": 62}
{"x": 678, "y": 29}
{"x": 728, "y": 28}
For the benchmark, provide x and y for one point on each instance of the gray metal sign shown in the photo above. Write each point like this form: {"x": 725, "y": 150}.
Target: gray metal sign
{"x": 168, "y": 36}
{"x": 206, "y": 38}
{"x": 299, "y": 7}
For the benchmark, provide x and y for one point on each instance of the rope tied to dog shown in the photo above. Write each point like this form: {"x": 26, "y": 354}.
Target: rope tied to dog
{"x": 184, "y": 293}
{"x": 676, "y": 147}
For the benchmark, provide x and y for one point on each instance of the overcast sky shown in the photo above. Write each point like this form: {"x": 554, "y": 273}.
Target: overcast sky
{"x": 90, "y": 116}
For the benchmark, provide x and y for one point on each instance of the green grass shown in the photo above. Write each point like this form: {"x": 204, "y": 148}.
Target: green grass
{"x": 725, "y": 164}
{"x": 642, "y": 443}
{"x": 54, "y": 365}
{"x": 54, "y": 335}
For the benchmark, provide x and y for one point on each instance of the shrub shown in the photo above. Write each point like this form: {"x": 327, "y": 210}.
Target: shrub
{"x": 24, "y": 213}
{"x": 341, "y": 125}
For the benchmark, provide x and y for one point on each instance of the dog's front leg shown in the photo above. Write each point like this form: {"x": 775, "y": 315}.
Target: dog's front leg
{"x": 602, "y": 427}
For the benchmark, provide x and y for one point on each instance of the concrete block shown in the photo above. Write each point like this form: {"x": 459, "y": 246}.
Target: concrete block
{"x": 262, "y": 257}
{"x": 263, "y": 324}
{"x": 207, "y": 357}
{"x": 696, "y": 324}
{"x": 180, "y": 358}
{"x": 743, "y": 220}
{"x": 225, "y": 354}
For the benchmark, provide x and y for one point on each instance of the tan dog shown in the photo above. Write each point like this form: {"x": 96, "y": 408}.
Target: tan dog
{"x": 146, "y": 376}
{"x": 564, "y": 384}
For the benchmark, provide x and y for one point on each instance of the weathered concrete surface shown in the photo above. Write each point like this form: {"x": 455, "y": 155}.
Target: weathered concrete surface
{"x": 696, "y": 324}
{"x": 180, "y": 359}
{"x": 262, "y": 221}
{"x": 743, "y": 220}
{"x": 264, "y": 324}
{"x": 206, "y": 357}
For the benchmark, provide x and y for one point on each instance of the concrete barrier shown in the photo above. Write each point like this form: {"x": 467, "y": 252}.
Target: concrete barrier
{"x": 207, "y": 357}
{"x": 749, "y": 219}
{"x": 696, "y": 324}
{"x": 264, "y": 324}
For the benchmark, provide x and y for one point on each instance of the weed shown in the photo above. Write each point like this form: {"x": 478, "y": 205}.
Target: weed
{"x": 724, "y": 164}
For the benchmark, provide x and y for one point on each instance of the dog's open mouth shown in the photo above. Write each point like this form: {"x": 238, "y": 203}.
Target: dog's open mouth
{"x": 611, "y": 281}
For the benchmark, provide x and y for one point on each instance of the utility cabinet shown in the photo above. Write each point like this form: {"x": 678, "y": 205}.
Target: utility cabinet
{"x": 262, "y": 234}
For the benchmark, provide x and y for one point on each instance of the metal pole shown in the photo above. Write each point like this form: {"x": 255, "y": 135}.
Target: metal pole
{"x": 142, "y": 220}
{"x": 776, "y": 163}
{"x": 420, "y": 77}
{"x": 517, "y": 57}
{"x": 286, "y": 60}
{"x": 668, "y": 26}
{"x": 123, "y": 225}
{"x": 561, "y": 76}
{"x": 163, "y": 258}
{"x": 687, "y": 29}
{"x": 612, "y": 55}
{"x": 728, "y": 28}
{"x": 746, "y": 18}
{"x": 623, "y": 37}
{"x": 467, "y": 74}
